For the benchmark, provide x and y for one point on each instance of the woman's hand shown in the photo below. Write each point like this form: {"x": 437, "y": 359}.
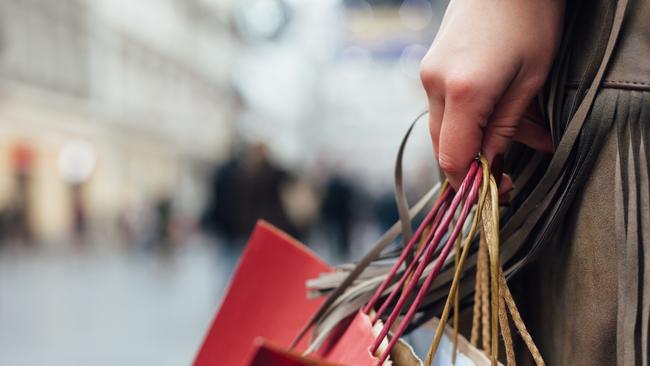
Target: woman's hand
{"x": 487, "y": 62}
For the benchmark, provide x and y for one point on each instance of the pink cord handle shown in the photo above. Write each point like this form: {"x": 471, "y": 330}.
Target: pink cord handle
{"x": 471, "y": 199}
{"x": 409, "y": 247}
{"x": 411, "y": 267}
{"x": 440, "y": 232}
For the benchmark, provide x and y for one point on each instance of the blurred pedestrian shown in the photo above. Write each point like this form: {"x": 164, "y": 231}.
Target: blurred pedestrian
{"x": 245, "y": 189}
{"x": 337, "y": 211}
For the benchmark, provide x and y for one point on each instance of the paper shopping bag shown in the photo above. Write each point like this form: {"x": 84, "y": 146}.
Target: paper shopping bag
{"x": 348, "y": 345}
{"x": 466, "y": 353}
{"x": 266, "y": 298}
{"x": 266, "y": 305}
{"x": 268, "y": 354}
{"x": 350, "y": 342}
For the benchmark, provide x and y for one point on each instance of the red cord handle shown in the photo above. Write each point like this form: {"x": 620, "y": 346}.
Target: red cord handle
{"x": 412, "y": 266}
{"x": 407, "y": 249}
{"x": 469, "y": 202}
{"x": 431, "y": 246}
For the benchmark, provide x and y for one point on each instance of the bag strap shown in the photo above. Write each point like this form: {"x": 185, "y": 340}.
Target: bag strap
{"x": 467, "y": 242}
{"x": 488, "y": 215}
{"x": 400, "y": 193}
{"x": 404, "y": 225}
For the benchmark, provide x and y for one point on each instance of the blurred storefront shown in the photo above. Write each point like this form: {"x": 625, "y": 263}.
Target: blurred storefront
{"x": 164, "y": 90}
{"x": 144, "y": 83}
{"x": 119, "y": 120}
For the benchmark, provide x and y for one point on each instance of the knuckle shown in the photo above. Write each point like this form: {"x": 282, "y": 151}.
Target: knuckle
{"x": 430, "y": 75}
{"x": 461, "y": 87}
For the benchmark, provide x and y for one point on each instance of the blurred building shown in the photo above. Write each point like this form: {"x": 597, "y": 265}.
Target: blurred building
{"x": 339, "y": 86}
{"x": 114, "y": 115}
{"x": 145, "y": 83}
{"x": 162, "y": 90}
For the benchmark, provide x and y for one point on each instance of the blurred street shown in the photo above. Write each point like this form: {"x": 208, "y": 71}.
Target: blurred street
{"x": 102, "y": 307}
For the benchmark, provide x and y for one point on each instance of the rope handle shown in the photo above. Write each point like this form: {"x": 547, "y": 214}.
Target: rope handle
{"x": 493, "y": 311}
{"x": 473, "y": 178}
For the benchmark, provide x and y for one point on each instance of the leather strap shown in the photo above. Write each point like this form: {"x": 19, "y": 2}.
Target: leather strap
{"x": 400, "y": 193}
{"x": 381, "y": 244}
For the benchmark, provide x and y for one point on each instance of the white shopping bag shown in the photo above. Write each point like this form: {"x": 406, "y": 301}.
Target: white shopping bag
{"x": 467, "y": 354}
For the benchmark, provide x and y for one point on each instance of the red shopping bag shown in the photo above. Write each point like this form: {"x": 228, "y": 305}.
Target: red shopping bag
{"x": 350, "y": 343}
{"x": 266, "y": 306}
{"x": 266, "y": 353}
{"x": 266, "y": 298}
{"x": 349, "y": 346}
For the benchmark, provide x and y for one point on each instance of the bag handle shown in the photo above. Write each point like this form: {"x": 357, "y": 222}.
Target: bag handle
{"x": 468, "y": 192}
{"x": 433, "y": 217}
{"x": 400, "y": 193}
{"x": 382, "y": 242}
{"x": 500, "y": 297}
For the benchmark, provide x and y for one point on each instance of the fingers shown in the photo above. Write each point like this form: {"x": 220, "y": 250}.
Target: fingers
{"x": 504, "y": 122}
{"x": 460, "y": 131}
{"x": 505, "y": 187}
{"x": 533, "y": 130}
{"x": 532, "y": 134}
{"x": 461, "y": 98}
{"x": 513, "y": 121}
{"x": 473, "y": 111}
{"x": 458, "y": 136}
{"x": 436, "y": 109}
{"x": 434, "y": 86}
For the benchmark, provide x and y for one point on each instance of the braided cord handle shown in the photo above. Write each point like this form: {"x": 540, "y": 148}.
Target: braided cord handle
{"x": 494, "y": 311}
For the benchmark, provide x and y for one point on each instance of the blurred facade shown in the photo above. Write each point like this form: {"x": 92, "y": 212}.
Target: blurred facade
{"x": 145, "y": 83}
{"x": 118, "y": 120}
{"x": 164, "y": 90}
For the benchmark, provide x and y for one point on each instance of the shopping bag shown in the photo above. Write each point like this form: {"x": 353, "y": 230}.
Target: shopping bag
{"x": 351, "y": 342}
{"x": 266, "y": 305}
{"x": 267, "y": 353}
{"x": 349, "y": 345}
{"x": 460, "y": 353}
{"x": 405, "y": 286}
{"x": 266, "y": 298}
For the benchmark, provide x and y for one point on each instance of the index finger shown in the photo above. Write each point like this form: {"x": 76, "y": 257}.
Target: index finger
{"x": 461, "y": 133}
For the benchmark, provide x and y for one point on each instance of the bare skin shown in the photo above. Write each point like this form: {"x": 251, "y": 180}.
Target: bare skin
{"x": 486, "y": 64}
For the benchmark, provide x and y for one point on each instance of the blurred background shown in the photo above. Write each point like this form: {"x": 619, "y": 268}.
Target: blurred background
{"x": 141, "y": 140}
